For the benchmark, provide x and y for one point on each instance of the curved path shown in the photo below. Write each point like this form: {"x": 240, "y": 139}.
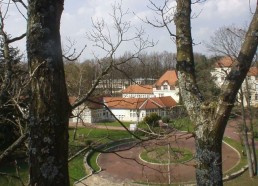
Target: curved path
{"x": 125, "y": 167}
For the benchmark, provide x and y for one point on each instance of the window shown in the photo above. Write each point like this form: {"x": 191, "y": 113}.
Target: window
{"x": 165, "y": 87}
{"x": 161, "y": 95}
{"x": 256, "y": 96}
{"x": 132, "y": 113}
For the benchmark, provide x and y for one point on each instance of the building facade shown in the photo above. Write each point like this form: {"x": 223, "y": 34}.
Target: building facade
{"x": 249, "y": 86}
{"x": 163, "y": 87}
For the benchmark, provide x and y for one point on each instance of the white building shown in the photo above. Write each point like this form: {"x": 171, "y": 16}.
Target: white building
{"x": 138, "y": 91}
{"x": 164, "y": 86}
{"x": 136, "y": 102}
{"x": 124, "y": 109}
{"x": 89, "y": 112}
{"x": 252, "y": 85}
{"x": 223, "y": 67}
{"x": 135, "y": 109}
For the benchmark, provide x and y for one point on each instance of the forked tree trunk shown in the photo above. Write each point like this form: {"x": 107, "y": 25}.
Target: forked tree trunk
{"x": 49, "y": 108}
{"x": 209, "y": 118}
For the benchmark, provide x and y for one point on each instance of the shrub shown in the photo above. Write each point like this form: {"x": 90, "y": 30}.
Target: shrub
{"x": 166, "y": 119}
{"x": 152, "y": 119}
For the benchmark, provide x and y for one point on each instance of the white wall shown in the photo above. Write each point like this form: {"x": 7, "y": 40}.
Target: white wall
{"x": 138, "y": 95}
{"x": 162, "y": 93}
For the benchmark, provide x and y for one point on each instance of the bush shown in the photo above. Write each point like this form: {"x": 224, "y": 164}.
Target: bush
{"x": 166, "y": 119}
{"x": 152, "y": 119}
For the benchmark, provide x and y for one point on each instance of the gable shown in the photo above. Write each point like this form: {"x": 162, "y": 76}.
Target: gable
{"x": 170, "y": 77}
{"x": 225, "y": 62}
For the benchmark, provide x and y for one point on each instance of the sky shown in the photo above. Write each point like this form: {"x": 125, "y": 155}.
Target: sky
{"x": 76, "y": 23}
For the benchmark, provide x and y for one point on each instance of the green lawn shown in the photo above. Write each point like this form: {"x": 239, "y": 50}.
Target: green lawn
{"x": 76, "y": 171}
{"x": 76, "y": 168}
{"x": 88, "y": 135}
{"x": 114, "y": 124}
{"x": 239, "y": 148}
{"x": 160, "y": 155}
{"x": 244, "y": 179}
{"x": 10, "y": 169}
{"x": 183, "y": 124}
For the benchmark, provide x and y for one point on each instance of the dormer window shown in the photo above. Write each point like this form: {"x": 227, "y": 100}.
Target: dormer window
{"x": 165, "y": 87}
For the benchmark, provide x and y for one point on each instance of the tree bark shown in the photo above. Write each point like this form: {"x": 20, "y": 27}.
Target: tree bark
{"x": 252, "y": 144}
{"x": 245, "y": 134}
{"x": 209, "y": 118}
{"x": 49, "y": 107}
{"x": 209, "y": 161}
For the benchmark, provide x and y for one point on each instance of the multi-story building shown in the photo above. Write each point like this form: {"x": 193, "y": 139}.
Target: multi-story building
{"x": 136, "y": 102}
{"x": 249, "y": 86}
{"x": 164, "y": 86}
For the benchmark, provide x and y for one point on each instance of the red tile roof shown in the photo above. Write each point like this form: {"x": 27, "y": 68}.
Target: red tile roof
{"x": 139, "y": 103}
{"x": 170, "y": 76}
{"x": 92, "y": 103}
{"x": 138, "y": 89}
{"x": 228, "y": 62}
{"x": 253, "y": 71}
{"x": 72, "y": 99}
{"x": 224, "y": 62}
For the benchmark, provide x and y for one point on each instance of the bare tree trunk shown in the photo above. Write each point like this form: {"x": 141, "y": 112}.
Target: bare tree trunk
{"x": 77, "y": 117}
{"x": 245, "y": 136}
{"x": 208, "y": 141}
{"x": 208, "y": 158}
{"x": 252, "y": 145}
{"x": 49, "y": 107}
{"x": 76, "y": 128}
{"x": 209, "y": 118}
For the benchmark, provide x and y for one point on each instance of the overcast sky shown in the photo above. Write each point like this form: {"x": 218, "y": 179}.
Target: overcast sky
{"x": 77, "y": 15}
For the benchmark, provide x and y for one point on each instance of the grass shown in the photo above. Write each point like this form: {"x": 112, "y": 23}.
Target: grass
{"x": 183, "y": 124}
{"x": 99, "y": 135}
{"x": 76, "y": 169}
{"x": 160, "y": 155}
{"x": 244, "y": 179}
{"x": 239, "y": 148}
{"x": 114, "y": 124}
{"x": 11, "y": 171}
{"x": 93, "y": 161}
